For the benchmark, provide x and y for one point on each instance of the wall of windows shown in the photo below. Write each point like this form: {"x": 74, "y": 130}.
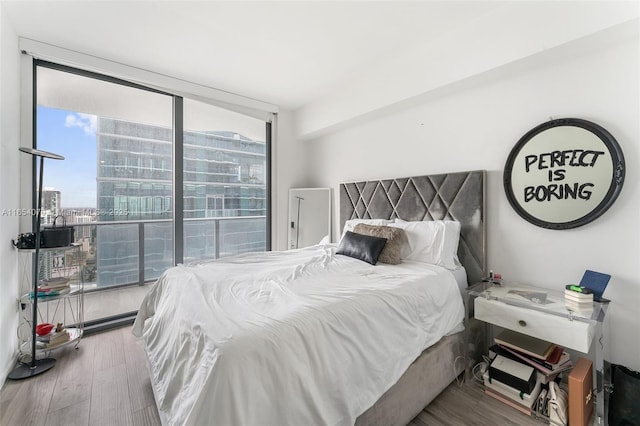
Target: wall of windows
{"x": 130, "y": 196}
{"x": 223, "y": 175}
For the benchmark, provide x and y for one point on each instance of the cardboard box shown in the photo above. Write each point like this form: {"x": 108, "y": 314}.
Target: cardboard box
{"x": 581, "y": 395}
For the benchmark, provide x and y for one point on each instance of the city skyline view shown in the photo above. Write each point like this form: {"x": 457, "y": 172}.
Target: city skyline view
{"x": 116, "y": 183}
{"x": 119, "y": 170}
{"x": 72, "y": 135}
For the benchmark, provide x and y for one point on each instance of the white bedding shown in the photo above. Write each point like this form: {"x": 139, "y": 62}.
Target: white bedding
{"x": 289, "y": 338}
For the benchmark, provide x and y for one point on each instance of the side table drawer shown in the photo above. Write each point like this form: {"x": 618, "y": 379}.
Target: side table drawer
{"x": 575, "y": 335}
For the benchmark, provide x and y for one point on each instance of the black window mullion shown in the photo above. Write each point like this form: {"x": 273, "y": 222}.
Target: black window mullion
{"x": 268, "y": 179}
{"x": 178, "y": 180}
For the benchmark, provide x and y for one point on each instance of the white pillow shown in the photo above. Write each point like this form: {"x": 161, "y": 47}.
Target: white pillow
{"x": 434, "y": 241}
{"x": 351, "y": 223}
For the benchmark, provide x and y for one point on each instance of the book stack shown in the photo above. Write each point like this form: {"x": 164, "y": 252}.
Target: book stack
{"x": 546, "y": 357}
{"x": 58, "y": 337}
{"x": 578, "y": 298}
{"x": 521, "y": 368}
{"x": 53, "y": 287}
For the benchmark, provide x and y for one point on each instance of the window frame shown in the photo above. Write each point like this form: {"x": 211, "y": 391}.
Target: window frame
{"x": 178, "y": 147}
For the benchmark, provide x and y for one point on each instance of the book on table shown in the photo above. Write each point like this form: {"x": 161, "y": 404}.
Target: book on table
{"x": 59, "y": 337}
{"x": 54, "y": 283}
{"x": 48, "y": 293}
{"x": 543, "y": 366}
{"x": 555, "y": 356}
{"x": 577, "y": 301}
{"x": 574, "y": 296}
{"x": 532, "y": 346}
{"x": 546, "y": 357}
{"x": 580, "y": 304}
{"x": 581, "y": 308}
{"x": 582, "y": 295}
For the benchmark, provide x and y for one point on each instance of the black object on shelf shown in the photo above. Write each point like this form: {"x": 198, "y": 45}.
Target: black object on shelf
{"x": 57, "y": 235}
{"x": 36, "y": 366}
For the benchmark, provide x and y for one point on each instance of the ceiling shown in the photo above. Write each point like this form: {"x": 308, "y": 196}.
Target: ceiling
{"x": 288, "y": 53}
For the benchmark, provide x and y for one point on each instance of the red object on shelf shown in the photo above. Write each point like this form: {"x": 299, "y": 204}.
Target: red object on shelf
{"x": 44, "y": 329}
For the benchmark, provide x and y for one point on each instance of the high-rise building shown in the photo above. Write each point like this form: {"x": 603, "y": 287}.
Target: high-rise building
{"x": 51, "y": 199}
{"x": 82, "y": 216}
{"x": 224, "y": 177}
{"x": 50, "y": 209}
{"x": 51, "y": 205}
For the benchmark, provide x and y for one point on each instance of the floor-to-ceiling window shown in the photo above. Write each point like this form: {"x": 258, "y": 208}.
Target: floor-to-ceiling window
{"x": 225, "y": 182}
{"x": 125, "y": 163}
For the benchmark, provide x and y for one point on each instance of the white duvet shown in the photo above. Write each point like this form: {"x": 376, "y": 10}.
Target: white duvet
{"x": 302, "y": 337}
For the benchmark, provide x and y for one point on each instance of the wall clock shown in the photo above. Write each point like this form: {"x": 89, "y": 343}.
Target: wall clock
{"x": 564, "y": 173}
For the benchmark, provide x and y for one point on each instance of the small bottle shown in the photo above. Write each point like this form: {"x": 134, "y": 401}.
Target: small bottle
{"x": 497, "y": 279}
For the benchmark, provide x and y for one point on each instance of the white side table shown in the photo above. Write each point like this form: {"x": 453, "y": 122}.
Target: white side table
{"x": 505, "y": 306}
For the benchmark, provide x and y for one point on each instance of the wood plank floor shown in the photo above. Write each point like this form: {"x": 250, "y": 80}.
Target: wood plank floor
{"x": 105, "y": 382}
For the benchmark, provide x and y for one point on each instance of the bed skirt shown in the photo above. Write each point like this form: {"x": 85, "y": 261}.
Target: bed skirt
{"x": 430, "y": 374}
{"x": 423, "y": 381}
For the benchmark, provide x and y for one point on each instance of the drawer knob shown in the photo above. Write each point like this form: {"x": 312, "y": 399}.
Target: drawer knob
{"x": 522, "y": 323}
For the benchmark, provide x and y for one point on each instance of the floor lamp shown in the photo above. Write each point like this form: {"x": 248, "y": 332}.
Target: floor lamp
{"x": 35, "y": 367}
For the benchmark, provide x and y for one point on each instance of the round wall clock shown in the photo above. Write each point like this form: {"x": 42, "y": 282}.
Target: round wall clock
{"x": 564, "y": 173}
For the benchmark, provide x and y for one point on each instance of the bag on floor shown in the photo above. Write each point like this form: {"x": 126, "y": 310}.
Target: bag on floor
{"x": 624, "y": 409}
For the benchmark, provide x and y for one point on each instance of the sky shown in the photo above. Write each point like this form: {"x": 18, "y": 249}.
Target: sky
{"x": 72, "y": 135}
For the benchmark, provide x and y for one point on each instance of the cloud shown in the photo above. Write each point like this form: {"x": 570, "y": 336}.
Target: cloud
{"x": 87, "y": 122}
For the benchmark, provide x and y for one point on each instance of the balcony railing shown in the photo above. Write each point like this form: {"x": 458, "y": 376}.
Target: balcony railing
{"x": 133, "y": 252}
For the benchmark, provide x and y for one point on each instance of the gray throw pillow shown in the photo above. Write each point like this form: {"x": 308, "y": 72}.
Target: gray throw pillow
{"x": 396, "y": 239}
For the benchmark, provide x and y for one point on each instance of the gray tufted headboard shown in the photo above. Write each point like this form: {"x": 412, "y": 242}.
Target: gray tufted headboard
{"x": 452, "y": 196}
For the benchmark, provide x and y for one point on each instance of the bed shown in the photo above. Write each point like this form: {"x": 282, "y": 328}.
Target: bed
{"x": 309, "y": 336}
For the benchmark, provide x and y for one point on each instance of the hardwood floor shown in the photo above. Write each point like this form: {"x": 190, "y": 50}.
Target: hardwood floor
{"x": 105, "y": 382}
{"x": 468, "y": 405}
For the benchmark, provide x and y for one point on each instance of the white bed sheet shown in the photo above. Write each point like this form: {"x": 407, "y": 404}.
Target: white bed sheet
{"x": 289, "y": 338}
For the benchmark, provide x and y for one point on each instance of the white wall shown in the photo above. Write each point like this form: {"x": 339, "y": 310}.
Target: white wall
{"x": 510, "y": 32}
{"x": 474, "y": 123}
{"x": 289, "y": 165}
{"x": 9, "y": 194}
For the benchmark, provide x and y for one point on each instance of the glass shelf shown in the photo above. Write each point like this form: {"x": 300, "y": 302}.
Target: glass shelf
{"x": 46, "y": 249}
{"x": 74, "y": 290}
{"x": 58, "y": 267}
{"x": 539, "y": 299}
{"x": 75, "y": 334}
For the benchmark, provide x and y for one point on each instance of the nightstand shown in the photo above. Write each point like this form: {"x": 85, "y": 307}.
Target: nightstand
{"x": 541, "y": 313}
